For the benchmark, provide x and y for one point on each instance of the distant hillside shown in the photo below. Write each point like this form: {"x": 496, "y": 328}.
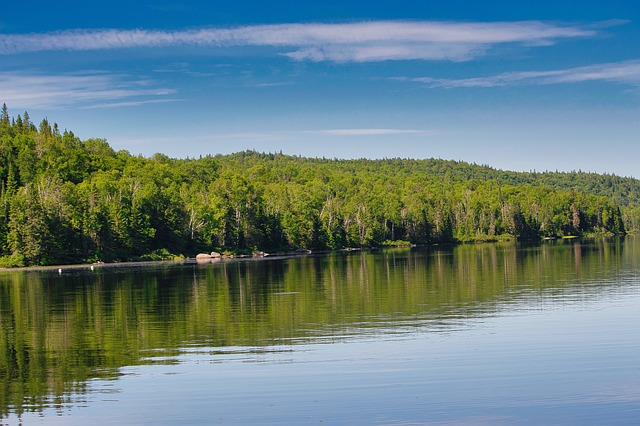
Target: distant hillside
{"x": 65, "y": 200}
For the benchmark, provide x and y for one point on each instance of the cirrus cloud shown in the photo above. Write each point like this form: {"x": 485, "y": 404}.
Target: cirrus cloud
{"x": 369, "y": 132}
{"x": 89, "y": 90}
{"x": 625, "y": 72}
{"x": 341, "y": 42}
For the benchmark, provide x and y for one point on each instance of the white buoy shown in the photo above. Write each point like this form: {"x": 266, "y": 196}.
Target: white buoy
{"x": 60, "y": 270}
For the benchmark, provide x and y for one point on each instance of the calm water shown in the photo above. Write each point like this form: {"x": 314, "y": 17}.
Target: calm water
{"x": 476, "y": 334}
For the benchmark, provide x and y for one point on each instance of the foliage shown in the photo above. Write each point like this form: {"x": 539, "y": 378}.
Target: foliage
{"x": 64, "y": 200}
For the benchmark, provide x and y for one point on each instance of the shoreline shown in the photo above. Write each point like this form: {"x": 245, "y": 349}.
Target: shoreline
{"x": 177, "y": 261}
{"x": 246, "y": 258}
{"x": 189, "y": 260}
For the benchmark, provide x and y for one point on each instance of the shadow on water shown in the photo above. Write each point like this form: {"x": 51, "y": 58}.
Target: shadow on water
{"x": 60, "y": 331}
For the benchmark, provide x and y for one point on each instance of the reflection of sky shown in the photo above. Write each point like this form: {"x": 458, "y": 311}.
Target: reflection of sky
{"x": 547, "y": 359}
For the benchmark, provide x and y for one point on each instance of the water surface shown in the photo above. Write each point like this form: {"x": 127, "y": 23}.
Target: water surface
{"x": 476, "y": 334}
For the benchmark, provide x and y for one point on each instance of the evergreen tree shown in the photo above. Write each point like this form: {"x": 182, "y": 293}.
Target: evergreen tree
{"x": 26, "y": 122}
{"x": 18, "y": 123}
{"x": 45, "y": 128}
{"x": 4, "y": 117}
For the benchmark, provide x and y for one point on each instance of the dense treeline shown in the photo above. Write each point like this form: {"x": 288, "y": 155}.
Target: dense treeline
{"x": 65, "y": 200}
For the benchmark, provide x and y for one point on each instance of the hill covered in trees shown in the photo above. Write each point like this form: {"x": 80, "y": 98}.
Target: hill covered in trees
{"x": 64, "y": 200}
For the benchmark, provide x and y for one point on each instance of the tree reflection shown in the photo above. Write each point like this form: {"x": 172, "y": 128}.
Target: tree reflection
{"x": 59, "y": 331}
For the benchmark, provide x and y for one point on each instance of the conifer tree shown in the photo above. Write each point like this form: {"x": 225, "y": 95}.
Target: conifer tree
{"x": 45, "y": 128}
{"x": 4, "y": 117}
{"x": 26, "y": 121}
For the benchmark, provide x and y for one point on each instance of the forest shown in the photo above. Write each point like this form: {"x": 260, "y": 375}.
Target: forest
{"x": 64, "y": 200}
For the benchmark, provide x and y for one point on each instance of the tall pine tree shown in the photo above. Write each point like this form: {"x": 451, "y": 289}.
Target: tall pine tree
{"x": 4, "y": 117}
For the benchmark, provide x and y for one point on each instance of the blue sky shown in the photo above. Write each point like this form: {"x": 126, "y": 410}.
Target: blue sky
{"x": 542, "y": 85}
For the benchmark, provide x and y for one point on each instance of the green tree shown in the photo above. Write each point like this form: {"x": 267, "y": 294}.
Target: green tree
{"x": 4, "y": 115}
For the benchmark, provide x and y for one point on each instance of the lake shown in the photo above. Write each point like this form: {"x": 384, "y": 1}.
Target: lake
{"x": 473, "y": 334}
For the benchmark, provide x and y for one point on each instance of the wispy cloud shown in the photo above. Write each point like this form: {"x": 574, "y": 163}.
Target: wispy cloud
{"x": 344, "y": 42}
{"x": 130, "y": 103}
{"x": 369, "y": 132}
{"x": 89, "y": 90}
{"x": 275, "y": 136}
{"x": 626, "y": 72}
{"x": 321, "y": 132}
